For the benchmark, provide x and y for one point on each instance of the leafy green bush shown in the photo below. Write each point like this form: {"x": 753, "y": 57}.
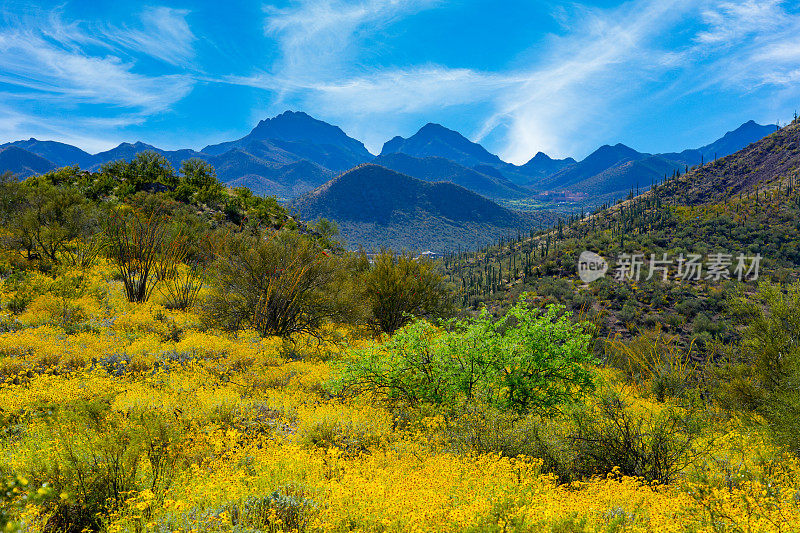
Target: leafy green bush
{"x": 527, "y": 360}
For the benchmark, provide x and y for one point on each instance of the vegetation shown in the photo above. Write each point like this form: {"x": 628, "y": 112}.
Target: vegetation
{"x": 400, "y": 287}
{"x": 280, "y": 285}
{"x": 522, "y": 362}
{"x": 180, "y": 356}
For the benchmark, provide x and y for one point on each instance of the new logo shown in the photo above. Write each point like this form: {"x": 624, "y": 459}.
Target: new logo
{"x": 591, "y": 266}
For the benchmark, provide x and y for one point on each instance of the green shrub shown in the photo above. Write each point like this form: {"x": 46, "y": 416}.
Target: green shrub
{"x": 527, "y": 360}
{"x": 280, "y": 284}
{"x": 763, "y": 374}
{"x": 401, "y": 287}
{"x": 586, "y": 440}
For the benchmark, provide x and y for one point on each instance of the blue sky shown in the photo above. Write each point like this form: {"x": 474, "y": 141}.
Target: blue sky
{"x": 517, "y": 76}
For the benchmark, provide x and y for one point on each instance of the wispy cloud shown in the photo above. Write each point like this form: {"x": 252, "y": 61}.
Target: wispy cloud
{"x": 321, "y": 37}
{"x": 32, "y": 62}
{"x": 582, "y": 89}
{"x": 732, "y": 22}
{"x": 49, "y": 64}
{"x": 597, "y": 66}
{"x": 164, "y": 34}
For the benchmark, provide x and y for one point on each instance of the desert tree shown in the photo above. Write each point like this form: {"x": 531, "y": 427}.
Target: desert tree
{"x": 399, "y": 287}
{"x": 279, "y": 284}
{"x": 145, "y": 247}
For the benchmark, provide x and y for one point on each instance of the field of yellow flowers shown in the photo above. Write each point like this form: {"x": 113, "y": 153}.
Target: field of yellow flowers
{"x": 139, "y": 411}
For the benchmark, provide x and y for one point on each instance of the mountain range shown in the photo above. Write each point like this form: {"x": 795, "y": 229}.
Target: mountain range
{"x": 294, "y": 157}
{"x": 293, "y": 153}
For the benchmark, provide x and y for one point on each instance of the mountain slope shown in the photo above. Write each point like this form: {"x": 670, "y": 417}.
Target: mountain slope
{"x": 374, "y": 206}
{"x": 771, "y": 163}
{"x": 731, "y": 142}
{"x": 490, "y": 184}
{"x": 620, "y": 179}
{"x": 23, "y": 163}
{"x": 744, "y": 204}
{"x": 542, "y": 165}
{"x": 595, "y": 163}
{"x": 59, "y": 154}
{"x": 611, "y": 172}
{"x": 287, "y": 181}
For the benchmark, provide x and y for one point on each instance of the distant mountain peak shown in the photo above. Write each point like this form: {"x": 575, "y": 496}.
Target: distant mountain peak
{"x": 298, "y": 128}
{"x": 435, "y": 140}
{"x": 435, "y": 127}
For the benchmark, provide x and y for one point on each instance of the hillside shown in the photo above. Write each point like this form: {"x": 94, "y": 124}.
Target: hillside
{"x": 747, "y": 203}
{"x": 59, "y": 154}
{"x": 731, "y": 142}
{"x": 374, "y": 207}
{"x": 292, "y": 153}
{"x": 599, "y": 161}
{"x": 611, "y": 172}
{"x": 540, "y": 166}
{"x": 19, "y": 161}
{"x": 434, "y": 140}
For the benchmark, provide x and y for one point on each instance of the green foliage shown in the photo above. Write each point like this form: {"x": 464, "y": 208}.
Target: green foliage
{"x": 528, "y": 360}
{"x": 44, "y": 219}
{"x": 198, "y": 182}
{"x": 280, "y": 284}
{"x": 146, "y": 168}
{"x": 400, "y": 287}
{"x": 280, "y": 511}
{"x": 764, "y": 374}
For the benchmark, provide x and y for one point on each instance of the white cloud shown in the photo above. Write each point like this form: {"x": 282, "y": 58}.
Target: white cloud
{"x": 598, "y": 66}
{"x": 731, "y": 22}
{"x": 51, "y": 66}
{"x": 544, "y": 107}
{"x": 30, "y": 61}
{"x": 164, "y": 35}
{"x": 587, "y": 85}
{"x": 319, "y": 37}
